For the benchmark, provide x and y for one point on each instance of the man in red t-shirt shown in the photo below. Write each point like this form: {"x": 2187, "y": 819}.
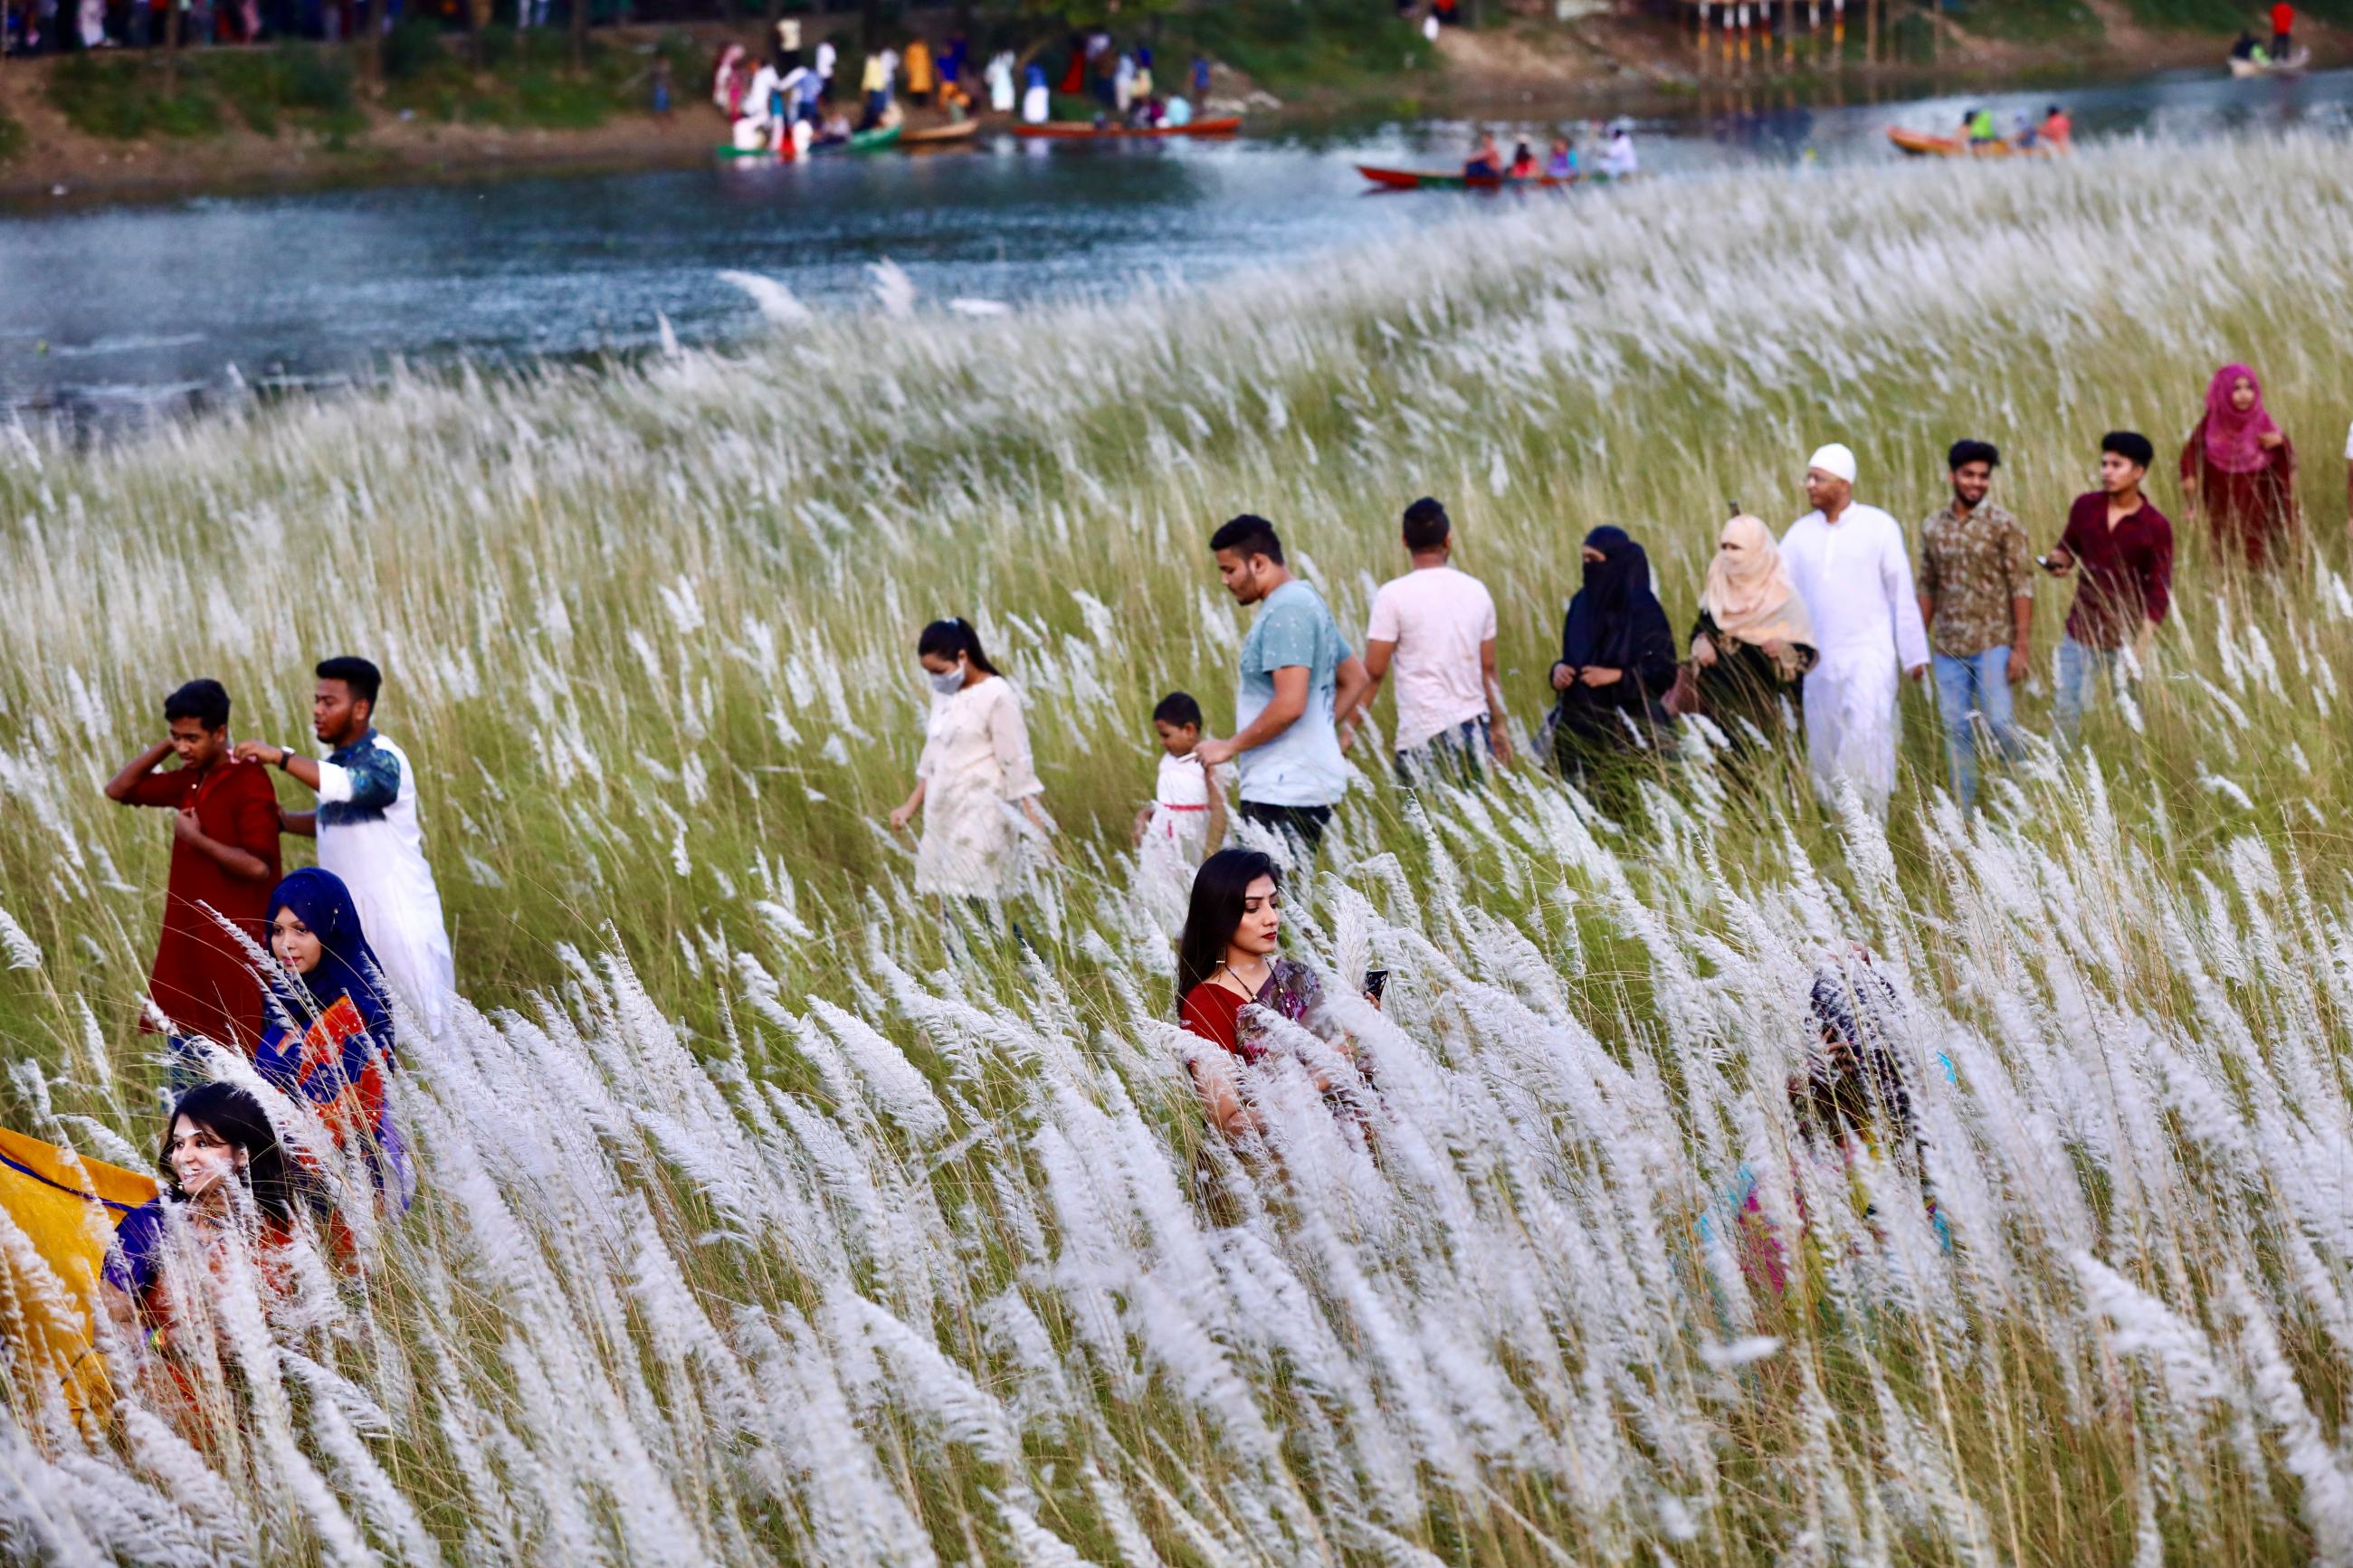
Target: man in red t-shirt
{"x": 2283, "y": 30}
{"x": 224, "y": 860}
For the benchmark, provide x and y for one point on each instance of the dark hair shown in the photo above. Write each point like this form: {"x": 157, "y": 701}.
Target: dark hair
{"x": 1216, "y": 909}
{"x": 1249, "y": 535}
{"x": 1426, "y": 524}
{"x": 1856, "y": 1081}
{"x": 205, "y": 701}
{"x": 2131, "y": 445}
{"x": 948, "y": 639}
{"x": 365, "y": 678}
{"x": 1179, "y": 709}
{"x": 236, "y": 1119}
{"x": 1963, "y": 453}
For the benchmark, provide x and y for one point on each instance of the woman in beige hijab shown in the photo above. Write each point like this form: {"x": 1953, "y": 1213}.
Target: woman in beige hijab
{"x": 1754, "y": 641}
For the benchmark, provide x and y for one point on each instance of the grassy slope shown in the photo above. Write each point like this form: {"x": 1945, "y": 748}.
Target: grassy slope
{"x": 526, "y": 81}
{"x": 649, "y": 640}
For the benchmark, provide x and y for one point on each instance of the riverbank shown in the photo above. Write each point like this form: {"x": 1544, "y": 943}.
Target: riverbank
{"x": 295, "y": 117}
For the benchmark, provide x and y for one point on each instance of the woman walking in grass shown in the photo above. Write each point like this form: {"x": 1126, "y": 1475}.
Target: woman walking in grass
{"x": 1753, "y": 642}
{"x": 1617, "y": 657}
{"x": 975, "y": 787}
{"x": 2238, "y": 471}
{"x": 330, "y": 1045}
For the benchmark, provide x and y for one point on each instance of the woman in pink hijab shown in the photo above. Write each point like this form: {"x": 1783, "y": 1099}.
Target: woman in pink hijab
{"x": 2238, "y": 471}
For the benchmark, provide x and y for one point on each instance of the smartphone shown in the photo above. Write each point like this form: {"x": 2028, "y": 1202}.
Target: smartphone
{"x": 1376, "y": 981}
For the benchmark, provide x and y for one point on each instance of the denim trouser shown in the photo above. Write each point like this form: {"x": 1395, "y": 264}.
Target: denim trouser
{"x": 2077, "y": 661}
{"x": 1969, "y": 689}
{"x": 1458, "y": 756}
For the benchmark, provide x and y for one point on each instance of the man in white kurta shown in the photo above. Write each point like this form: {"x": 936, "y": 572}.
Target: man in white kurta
{"x": 1850, "y": 566}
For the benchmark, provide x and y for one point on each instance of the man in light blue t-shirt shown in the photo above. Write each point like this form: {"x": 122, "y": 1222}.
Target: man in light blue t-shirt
{"x": 1296, "y": 675}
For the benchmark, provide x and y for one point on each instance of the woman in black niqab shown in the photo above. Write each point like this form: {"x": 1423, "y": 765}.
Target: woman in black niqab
{"x": 1617, "y": 657}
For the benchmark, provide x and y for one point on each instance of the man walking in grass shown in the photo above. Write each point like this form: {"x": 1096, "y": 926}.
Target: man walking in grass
{"x": 2120, "y": 549}
{"x": 370, "y": 833}
{"x": 224, "y": 863}
{"x": 1297, "y": 676}
{"x": 1435, "y": 626}
{"x": 1852, "y": 569}
{"x": 1976, "y": 596}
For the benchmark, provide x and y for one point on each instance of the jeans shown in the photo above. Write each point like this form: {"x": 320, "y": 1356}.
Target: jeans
{"x": 1969, "y": 689}
{"x": 2076, "y": 663}
{"x": 1456, "y": 756}
{"x": 1302, "y": 825}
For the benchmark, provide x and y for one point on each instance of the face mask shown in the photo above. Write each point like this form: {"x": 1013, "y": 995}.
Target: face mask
{"x": 947, "y": 684}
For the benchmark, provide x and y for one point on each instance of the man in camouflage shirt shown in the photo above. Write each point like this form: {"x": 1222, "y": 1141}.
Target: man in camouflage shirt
{"x": 1977, "y": 594}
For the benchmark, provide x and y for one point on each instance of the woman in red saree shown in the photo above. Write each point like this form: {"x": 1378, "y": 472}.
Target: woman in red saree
{"x": 2238, "y": 470}
{"x": 1231, "y": 977}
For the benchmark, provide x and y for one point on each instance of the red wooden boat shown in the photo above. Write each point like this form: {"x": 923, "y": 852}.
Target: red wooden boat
{"x": 1081, "y": 130}
{"x": 1455, "y": 180}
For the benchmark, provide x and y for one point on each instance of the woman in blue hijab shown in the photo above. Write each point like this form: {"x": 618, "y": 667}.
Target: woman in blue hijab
{"x": 329, "y": 1041}
{"x": 1617, "y": 658}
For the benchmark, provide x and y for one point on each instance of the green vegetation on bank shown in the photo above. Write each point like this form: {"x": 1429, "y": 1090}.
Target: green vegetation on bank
{"x": 12, "y": 137}
{"x": 522, "y": 80}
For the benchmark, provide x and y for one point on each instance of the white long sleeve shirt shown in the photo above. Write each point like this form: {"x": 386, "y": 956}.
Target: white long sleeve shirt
{"x": 1855, "y": 575}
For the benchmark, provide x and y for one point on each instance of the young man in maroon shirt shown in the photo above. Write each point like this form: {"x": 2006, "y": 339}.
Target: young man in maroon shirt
{"x": 224, "y": 860}
{"x": 2123, "y": 548}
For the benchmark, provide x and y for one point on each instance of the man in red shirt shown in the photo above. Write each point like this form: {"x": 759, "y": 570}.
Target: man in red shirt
{"x": 2283, "y": 30}
{"x": 2124, "y": 548}
{"x": 224, "y": 860}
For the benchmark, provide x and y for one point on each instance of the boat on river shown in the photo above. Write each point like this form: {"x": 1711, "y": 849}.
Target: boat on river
{"x": 1456, "y": 180}
{"x": 1921, "y": 145}
{"x": 880, "y": 139}
{"x": 2293, "y": 65}
{"x": 951, "y": 135}
{"x": 1081, "y": 131}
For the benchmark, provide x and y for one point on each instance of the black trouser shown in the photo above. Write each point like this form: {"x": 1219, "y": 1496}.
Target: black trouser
{"x": 1303, "y": 824}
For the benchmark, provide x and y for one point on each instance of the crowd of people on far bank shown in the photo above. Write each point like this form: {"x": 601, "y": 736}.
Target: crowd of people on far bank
{"x": 784, "y": 101}
{"x": 309, "y": 985}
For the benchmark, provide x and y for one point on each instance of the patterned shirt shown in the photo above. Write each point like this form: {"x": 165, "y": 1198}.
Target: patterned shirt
{"x": 1970, "y": 568}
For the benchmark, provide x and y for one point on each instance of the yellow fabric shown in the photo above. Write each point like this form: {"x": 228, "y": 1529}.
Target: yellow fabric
{"x": 55, "y": 1213}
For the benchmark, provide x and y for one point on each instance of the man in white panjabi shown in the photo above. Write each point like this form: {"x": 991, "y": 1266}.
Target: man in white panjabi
{"x": 1853, "y": 569}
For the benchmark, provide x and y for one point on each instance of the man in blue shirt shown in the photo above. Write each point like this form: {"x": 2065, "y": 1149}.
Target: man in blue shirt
{"x": 1296, "y": 674}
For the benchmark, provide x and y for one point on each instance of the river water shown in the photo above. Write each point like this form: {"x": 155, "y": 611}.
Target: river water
{"x": 110, "y": 313}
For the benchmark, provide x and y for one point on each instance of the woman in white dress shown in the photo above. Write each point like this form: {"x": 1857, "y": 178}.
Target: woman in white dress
{"x": 975, "y": 788}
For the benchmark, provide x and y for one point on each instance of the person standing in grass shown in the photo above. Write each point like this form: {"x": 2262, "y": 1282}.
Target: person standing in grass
{"x": 1753, "y": 642}
{"x": 975, "y": 787}
{"x": 1617, "y": 659}
{"x": 224, "y": 863}
{"x": 1976, "y": 596}
{"x": 2238, "y": 471}
{"x": 1297, "y": 676}
{"x": 1436, "y": 626}
{"x": 1187, "y": 818}
{"x": 2120, "y": 549}
{"x": 371, "y": 832}
{"x": 1855, "y": 574}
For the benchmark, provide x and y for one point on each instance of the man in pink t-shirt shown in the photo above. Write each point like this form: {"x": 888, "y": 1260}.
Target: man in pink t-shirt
{"x": 1435, "y": 627}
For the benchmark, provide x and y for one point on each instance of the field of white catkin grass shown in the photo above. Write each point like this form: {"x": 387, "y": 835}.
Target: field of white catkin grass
{"x": 767, "y": 1216}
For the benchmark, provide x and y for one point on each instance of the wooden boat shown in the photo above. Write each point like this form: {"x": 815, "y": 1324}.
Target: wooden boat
{"x": 1920, "y": 145}
{"x": 941, "y": 135}
{"x": 1081, "y": 130}
{"x": 1455, "y": 180}
{"x": 2294, "y": 65}
{"x": 875, "y": 141}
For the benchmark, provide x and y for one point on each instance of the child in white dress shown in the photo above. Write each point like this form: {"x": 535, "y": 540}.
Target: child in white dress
{"x": 1186, "y": 817}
